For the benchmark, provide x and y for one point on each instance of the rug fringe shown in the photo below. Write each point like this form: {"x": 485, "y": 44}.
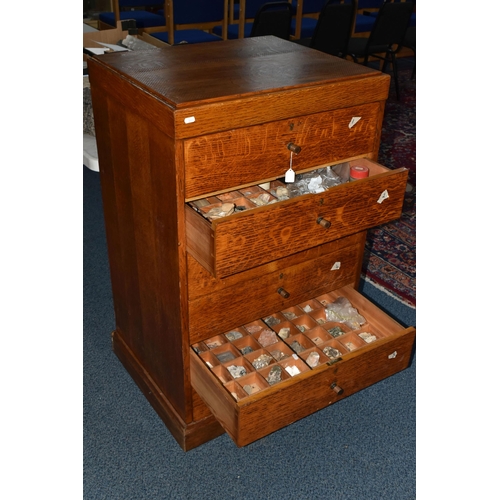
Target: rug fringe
{"x": 387, "y": 292}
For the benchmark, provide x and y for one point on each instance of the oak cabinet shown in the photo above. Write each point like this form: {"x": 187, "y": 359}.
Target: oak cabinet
{"x": 201, "y": 125}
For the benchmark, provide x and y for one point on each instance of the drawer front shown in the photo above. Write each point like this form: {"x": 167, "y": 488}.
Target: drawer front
{"x": 221, "y": 161}
{"x": 247, "y": 418}
{"x": 251, "y": 238}
{"x": 260, "y": 296}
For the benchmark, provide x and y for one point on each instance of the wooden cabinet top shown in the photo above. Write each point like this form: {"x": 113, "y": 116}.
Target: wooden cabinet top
{"x": 209, "y": 87}
{"x": 209, "y": 72}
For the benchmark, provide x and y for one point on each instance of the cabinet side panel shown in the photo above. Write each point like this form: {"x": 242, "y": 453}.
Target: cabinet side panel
{"x": 138, "y": 179}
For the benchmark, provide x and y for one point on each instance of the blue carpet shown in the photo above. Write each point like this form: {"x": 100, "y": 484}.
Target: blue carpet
{"x": 362, "y": 447}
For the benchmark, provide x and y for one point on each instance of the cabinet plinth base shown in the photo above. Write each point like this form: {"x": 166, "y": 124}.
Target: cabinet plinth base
{"x": 188, "y": 435}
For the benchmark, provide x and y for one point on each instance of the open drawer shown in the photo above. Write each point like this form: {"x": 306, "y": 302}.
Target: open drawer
{"x": 260, "y": 234}
{"x": 260, "y": 377}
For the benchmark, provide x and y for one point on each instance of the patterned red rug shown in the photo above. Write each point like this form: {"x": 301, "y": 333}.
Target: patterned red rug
{"x": 390, "y": 260}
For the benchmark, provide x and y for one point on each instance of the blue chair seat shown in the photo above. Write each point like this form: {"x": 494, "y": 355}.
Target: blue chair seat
{"x": 186, "y": 36}
{"x": 143, "y": 19}
{"x": 233, "y": 30}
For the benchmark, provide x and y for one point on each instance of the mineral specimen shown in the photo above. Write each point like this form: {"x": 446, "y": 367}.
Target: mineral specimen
{"x": 267, "y": 337}
{"x": 297, "y": 347}
{"x": 236, "y": 371}
{"x": 274, "y": 375}
{"x": 331, "y": 352}
{"x": 367, "y": 337}
{"x": 272, "y": 320}
{"x": 224, "y": 357}
{"x": 284, "y": 333}
{"x": 262, "y": 361}
{"x": 342, "y": 311}
{"x": 336, "y": 331}
{"x": 233, "y": 335}
{"x": 292, "y": 370}
{"x": 313, "y": 359}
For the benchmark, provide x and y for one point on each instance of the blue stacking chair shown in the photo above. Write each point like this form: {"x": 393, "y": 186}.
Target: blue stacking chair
{"x": 334, "y": 28}
{"x": 192, "y": 21}
{"x": 144, "y": 19}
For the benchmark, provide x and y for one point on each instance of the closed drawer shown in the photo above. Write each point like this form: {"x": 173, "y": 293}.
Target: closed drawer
{"x": 238, "y": 157}
{"x": 244, "y": 240}
{"x": 252, "y": 406}
{"x": 216, "y": 305}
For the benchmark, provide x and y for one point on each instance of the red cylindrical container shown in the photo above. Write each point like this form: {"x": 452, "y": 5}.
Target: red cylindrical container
{"x": 358, "y": 172}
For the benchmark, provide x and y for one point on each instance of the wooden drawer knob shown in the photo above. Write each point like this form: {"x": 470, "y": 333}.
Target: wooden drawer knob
{"x": 337, "y": 389}
{"x": 283, "y": 293}
{"x": 323, "y": 222}
{"x": 294, "y": 148}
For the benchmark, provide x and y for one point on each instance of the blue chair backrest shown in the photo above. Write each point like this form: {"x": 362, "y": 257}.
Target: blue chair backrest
{"x": 198, "y": 11}
{"x": 252, "y": 7}
{"x": 143, "y": 3}
{"x": 312, "y": 6}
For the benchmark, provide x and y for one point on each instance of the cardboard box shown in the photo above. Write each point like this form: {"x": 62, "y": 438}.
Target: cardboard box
{"x": 91, "y": 39}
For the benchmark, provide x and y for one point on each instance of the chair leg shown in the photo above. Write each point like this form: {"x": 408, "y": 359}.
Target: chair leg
{"x": 395, "y": 72}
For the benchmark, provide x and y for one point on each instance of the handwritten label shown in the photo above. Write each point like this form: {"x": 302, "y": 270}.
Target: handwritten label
{"x": 354, "y": 120}
{"x": 383, "y": 196}
{"x": 189, "y": 119}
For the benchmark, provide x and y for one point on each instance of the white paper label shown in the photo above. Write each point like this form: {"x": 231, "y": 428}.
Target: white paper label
{"x": 335, "y": 266}
{"x": 383, "y": 196}
{"x": 189, "y": 119}
{"x": 354, "y": 120}
{"x": 290, "y": 175}
{"x": 393, "y": 355}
